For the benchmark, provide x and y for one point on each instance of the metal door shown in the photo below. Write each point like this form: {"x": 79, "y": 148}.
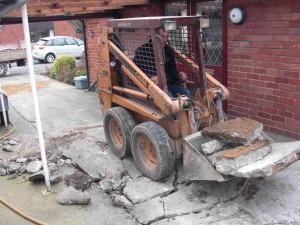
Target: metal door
{"x": 213, "y": 37}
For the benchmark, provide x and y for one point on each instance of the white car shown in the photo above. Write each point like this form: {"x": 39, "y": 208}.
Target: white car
{"x": 48, "y": 48}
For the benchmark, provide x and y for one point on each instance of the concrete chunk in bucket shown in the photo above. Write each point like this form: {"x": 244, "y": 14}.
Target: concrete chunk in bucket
{"x": 281, "y": 156}
{"x": 239, "y": 131}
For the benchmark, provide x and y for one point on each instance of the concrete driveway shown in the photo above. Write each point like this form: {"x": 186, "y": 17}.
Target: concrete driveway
{"x": 120, "y": 194}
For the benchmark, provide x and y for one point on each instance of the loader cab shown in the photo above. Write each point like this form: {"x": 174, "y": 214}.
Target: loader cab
{"x": 143, "y": 34}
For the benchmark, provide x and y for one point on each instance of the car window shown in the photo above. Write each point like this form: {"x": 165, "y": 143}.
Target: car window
{"x": 49, "y": 43}
{"x": 70, "y": 41}
{"x": 41, "y": 42}
{"x": 59, "y": 42}
{"x": 80, "y": 42}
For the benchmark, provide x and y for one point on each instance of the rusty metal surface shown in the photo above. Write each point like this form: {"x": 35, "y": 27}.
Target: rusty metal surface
{"x": 195, "y": 164}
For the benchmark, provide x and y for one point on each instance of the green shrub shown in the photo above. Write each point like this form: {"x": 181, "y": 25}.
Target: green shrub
{"x": 64, "y": 68}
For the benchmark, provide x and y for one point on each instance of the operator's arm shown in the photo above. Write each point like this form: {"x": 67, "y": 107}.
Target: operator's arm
{"x": 173, "y": 76}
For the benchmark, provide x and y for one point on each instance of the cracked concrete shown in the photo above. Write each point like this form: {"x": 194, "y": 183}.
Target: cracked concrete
{"x": 77, "y": 131}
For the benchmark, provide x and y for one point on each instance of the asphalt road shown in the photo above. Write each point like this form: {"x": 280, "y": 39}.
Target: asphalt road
{"x": 21, "y": 70}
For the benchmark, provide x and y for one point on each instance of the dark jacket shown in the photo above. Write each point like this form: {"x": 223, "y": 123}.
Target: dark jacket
{"x": 172, "y": 74}
{"x": 145, "y": 60}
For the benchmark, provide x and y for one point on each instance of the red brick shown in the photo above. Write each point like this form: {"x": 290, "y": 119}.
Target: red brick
{"x": 278, "y": 118}
{"x": 276, "y": 130}
{"x": 270, "y": 110}
{"x": 287, "y": 101}
{"x": 285, "y": 114}
{"x": 281, "y": 80}
{"x": 291, "y": 134}
{"x": 280, "y": 93}
{"x": 259, "y": 70}
{"x": 287, "y": 87}
{"x": 258, "y": 83}
{"x": 291, "y": 74}
{"x": 279, "y": 106}
{"x": 272, "y": 85}
{"x": 280, "y": 24}
{"x": 264, "y": 115}
{"x": 272, "y": 98}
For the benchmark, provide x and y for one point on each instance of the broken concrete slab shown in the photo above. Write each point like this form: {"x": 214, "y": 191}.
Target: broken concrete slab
{"x": 34, "y": 166}
{"x": 281, "y": 156}
{"x": 239, "y": 131}
{"x": 215, "y": 215}
{"x": 71, "y": 196}
{"x": 37, "y": 176}
{"x": 13, "y": 167}
{"x": 78, "y": 180}
{"x": 97, "y": 133}
{"x": 149, "y": 211}
{"x": 212, "y": 146}
{"x": 130, "y": 167}
{"x": 2, "y": 172}
{"x": 91, "y": 159}
{"x": 120, "y": 200}
{"x": 28, "y": 147}
{"x": 184, "y": 201}
{"x": 55, "y": 178}
{"x": 273, "y": 200}
{"x": 143, "y": 189}
{"x": 229, "y": 161}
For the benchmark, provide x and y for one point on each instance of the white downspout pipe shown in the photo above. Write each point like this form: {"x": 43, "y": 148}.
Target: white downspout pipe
{"x": 3, "y": 109}
{"x": 34, "y": 94}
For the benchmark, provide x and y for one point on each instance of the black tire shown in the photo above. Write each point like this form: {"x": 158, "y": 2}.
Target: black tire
{"x": 21, "y": 62}
{"x": 3, "y": 69}
{"x": 152, "y": 150}
{"x": 2, "y": 118}
{"x": 49, "y": 58}
{"x": 118, "y": 125}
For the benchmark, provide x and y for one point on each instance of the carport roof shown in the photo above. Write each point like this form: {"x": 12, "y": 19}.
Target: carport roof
{"x": 10, "y": 9}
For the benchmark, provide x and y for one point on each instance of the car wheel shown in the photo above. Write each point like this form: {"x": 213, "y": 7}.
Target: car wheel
{"x": 50, "y": 57}
{"x": 3, "y": 68}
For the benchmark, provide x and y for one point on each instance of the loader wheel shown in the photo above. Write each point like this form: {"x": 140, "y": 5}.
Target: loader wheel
{"x": 152, "y": 150}
{"x": 118, "y": 125}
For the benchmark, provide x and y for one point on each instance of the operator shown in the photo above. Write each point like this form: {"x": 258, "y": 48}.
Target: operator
{"x": 145, "y": 60}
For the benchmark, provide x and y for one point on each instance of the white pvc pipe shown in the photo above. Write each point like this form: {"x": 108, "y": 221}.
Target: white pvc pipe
{"x": 3, "y": 109}
{"x": 34, "y": 95}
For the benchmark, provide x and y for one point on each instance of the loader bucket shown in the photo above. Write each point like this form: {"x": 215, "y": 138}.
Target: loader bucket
{"x": 195, "y": 164}
{"x": 262, "y": 162}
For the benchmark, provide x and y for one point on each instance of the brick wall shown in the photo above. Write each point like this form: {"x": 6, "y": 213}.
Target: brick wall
{"x": 94, "y": 25}
{"x": 11, "y": 33}
{"x": 93, "y": 45}
{"x": 264, "y": 64}
{"x": 64, "y": 28}
{"x": 142, "y": 11}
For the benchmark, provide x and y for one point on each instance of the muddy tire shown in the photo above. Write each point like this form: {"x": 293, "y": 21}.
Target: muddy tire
{"x": 49, "y": 58}
{"x": 152, "y": 150}
{"x": 118, "y": 125}
{"x": 3, "y": 69}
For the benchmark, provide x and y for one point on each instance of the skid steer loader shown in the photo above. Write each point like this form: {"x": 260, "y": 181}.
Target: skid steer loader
{"x": 140, "y": 117}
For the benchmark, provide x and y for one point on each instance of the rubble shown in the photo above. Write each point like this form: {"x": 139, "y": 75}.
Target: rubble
{"x": 281, "y": 156}
{"x": 239, "y": 131}
{"x": 71, "y": 196}
{"x": 78, "y": 180}
{"x": 120, "y": 200}
{"x": 2, "y": 172}
{"x": 212, "y": 146}
{"x": 232, "y": 159}
{"x": 34, "y": 167}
